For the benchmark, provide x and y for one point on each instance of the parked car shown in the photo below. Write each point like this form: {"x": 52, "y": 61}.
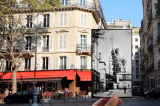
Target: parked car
{"x": 155, "y": 93}
{"x": 137, "y": 91}
{"x": 21, "y": 96}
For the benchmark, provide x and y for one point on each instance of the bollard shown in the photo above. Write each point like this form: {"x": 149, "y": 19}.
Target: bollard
{"x": 51, "y": 102}
{"x": 76, "y": 96}
{"x": 30, "y": 102}
{"x": 42, "y": 103}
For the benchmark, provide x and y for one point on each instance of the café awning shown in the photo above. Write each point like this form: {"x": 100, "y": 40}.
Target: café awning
{"x": 39, "y": 75}
{"x": 84, "y": 75}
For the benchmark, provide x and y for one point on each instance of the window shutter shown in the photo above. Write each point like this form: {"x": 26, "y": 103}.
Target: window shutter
{"x": 68, "y": 62}
{"x": 81, "y": 20}
{"x": 50, "y": 43}
{"x": 33, "y": 21}
{"x": 24, "y": 21}
{"x": 21, "y": 68}
{"x": 78, "y": 62}
{"x": 50, "y": 63}
{"x": 78, "y": 1}
{"x": 33, "y": 38}
{"x": 60, "y": 42}
{"x": 65, "y": 42}
{"x": 39, "y": 44}
{"x": 61, "y": 19}
{"x": 22, "y": 44}
{"x": 39, "y": 63}
{"x": 56, "y": 62}
{"x": 85, "y": 20}
{"x": 65, "y": 19}
{"x": 51, "y": 20}
{"x": 4, "y": 45}
{"x": 40, "y": 21}
{"x": 78, "y": 39}
{"x": 32, "y": 63}
{"x": 2, "y": 64}
{"x": 15, "y": 21}
{"x": 88, "y": 62}
{"x": 88, "y": 42}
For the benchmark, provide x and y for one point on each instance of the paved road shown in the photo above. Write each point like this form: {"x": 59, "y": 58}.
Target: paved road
{"x": 135, "y": 101}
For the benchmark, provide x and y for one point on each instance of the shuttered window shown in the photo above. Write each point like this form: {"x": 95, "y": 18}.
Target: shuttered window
{"x": 83, "y": 20}
{"x": 62, "y": 63}
{"x": 46, "y": 20}
{"x": 45, "y": 47}
{"x": 63, "y": 42}
{"x": 83, "y": 62}
{"x": 28, "y": 43}
{"x": 63, "y": 19}
{"x": 83, "y": 2}
{"x": 29, "y": 21}
{"x": 27, "y": 63}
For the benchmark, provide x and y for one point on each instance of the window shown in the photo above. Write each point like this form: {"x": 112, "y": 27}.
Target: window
{"x": 83, "y": 20}
{"x": 82, "y": 2}
{"x": 137, "y": 76}
{"x": 8, "y": 65}
{"x": 136, "y": 46}
{"x": 83, "y": 42}
{"x": 136, "y": 39}
{"x": 29, "y": 21}
{"x": 63, "y": 42}
{"x": 136, "y": 55}
{"x": 132, "y": 69}
{"x": 27, "y": 63}
{"x": 62, "y": 63}
{"x": 137, "y": 62}
{"x": 137, "y": 70}
{"x": 45, "y": 63}
{"x": 64, "y": 2}
{"x": 132, "y": 76}
{"x": 132, "y": 46}
{"x": 45, "y": 47}
{"x": 46, "y": 20}
{"x": 83, "y": 63}
{"x": 28, "y": 41}
{"x": 63, "y": 19}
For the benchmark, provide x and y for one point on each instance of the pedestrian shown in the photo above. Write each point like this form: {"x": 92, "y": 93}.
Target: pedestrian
{"x": 6, "y": 92}
{"x": 124, "y": 90}
{"x": 113, "y": 101}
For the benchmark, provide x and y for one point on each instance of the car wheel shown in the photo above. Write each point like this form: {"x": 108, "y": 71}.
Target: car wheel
{"x": 8, "y": 101}
{"x": 147, "y": 97}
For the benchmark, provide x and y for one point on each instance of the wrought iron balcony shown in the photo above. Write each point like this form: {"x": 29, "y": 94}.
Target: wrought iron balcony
{"x": 150, "y": 68}
{"x": 45, "y": 49}
{"x": 83, "y": 67}
{"x": 79, "y": 4}
{"x": 150, "y": 44}
{"x": 62, "y": 66}
{"x": 83, "y": 47}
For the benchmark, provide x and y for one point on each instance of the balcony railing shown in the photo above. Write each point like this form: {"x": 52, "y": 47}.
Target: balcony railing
{"x": 79, "y": 4}
{"x": 62, "y": 66}
{"x": 83, "y": 67}
{"x": 45, "y": 49}
{"x": 83, "y": 47}
{"x": 150, "y": 68}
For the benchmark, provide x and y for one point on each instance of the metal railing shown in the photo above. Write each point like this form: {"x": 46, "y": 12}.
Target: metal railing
{"x": 45, "y": 49}
{"x": 27, "y": 68}
{"x": 62, "y": 66}
{"x": 45, "y": 67}
{"x": 83, "y": 66}
{"x": 83, "y": 47}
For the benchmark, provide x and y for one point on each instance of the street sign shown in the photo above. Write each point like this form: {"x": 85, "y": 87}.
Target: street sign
{"x": 72, "y": 66}
{"x": 151, "y": 76}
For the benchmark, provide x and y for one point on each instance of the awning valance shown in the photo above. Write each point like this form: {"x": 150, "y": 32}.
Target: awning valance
{"x": 39, "y": 74}
{"x": 84, "y": 75}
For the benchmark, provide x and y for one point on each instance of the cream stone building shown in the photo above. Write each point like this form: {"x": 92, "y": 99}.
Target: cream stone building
{"x": 149, "y": 34}
{"x": 66, "y": 40}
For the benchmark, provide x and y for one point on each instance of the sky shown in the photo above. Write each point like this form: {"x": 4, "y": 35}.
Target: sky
{"x": 123, "y": 9}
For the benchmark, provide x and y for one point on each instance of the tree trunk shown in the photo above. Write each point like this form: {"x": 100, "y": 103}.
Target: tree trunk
{"x": 14, "y": 81}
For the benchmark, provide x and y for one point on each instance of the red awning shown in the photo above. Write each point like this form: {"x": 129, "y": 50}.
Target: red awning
{"x": 39, "y": 74}
{"x": 84, "y": 75}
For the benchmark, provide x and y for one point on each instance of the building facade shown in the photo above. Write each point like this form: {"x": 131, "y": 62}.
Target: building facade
{"x": 149, "y": 34}
{"x": 66, "y": 40}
